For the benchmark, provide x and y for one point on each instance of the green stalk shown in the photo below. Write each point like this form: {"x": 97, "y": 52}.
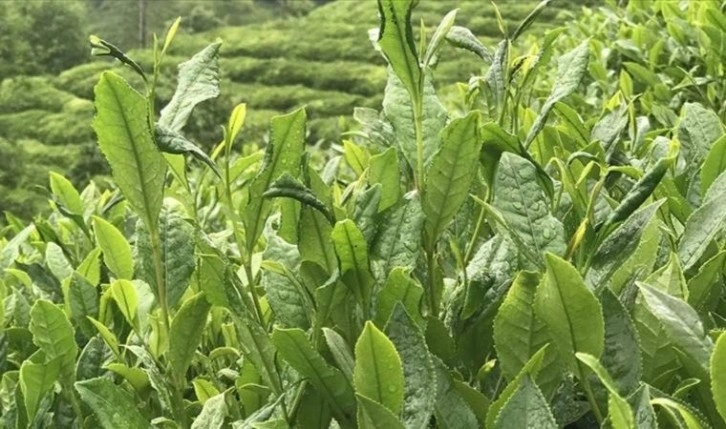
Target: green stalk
{"x": 589, "y": 393}
{"x": 430, "y": 261}
{"x": 418, "y": 127}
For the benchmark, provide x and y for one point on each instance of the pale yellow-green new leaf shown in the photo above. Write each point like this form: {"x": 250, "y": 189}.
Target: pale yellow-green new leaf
{"x": 116, "y": 250}
{"x": 718, "y": 375}
{"x": 378, "y": 372}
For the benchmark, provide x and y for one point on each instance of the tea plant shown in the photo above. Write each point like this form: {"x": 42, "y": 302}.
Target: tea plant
{"x": 549, "y": 253}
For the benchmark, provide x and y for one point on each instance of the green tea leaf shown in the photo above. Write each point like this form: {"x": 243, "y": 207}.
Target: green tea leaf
{"x": 53, "y": 334}
{"x": 384, "y": 169}
{"x": 288, "y": 187}
{"x": 213, "y": 413}
{"x": 11, "y": 250}
{"x": 525, "y": 207}
{"x": 287, "y": 297}
{"x": 116, "y": 250}
{"x": 519, "y": 334}
{"x": 373, "y": 415}
{"x": 287, "y": 142}
{"x": 571, "y": 67}
{"x": 419, "y": 374}
{"x": 703, "y": 225}
{"x": 450, "y": 174}
{"x": 619, "y": 245}
{"x": 66, "y": 193}
{"x": 170, "y": 141}
{"x": 352, "y": 251}
{"x": 530, "y": 369}
{"x": 399, "y": 236}
{"x": 399, "y": 287}
{"x": 112, "y": 405}
{"x": 619, "y": 411}
{"x": 621, "y": 355}
{"x": 680, "y": 322}
{"x": 378, "y": 372}
{"x": 186, "y": 332}
{"x": 137, "y": 166}
{"x": 463, "y": 38}
{"x": 698, "y": 130}
{"x": 438, "y": 38}
{"x": 83, "y": 301}
{"x": 570, "y": 311}
{"x": 714, "y": 164}
{"x": 718, "y": 375}
{"x": 314, "y": 242}
{"x": 57, "y": 262}
{"x": 399, "y": 110}
{"x": 395, "y": 37}
{"x": 198, "y": 81}
{"x": 127, "y": 301}
{"x": 177, "y": 252}
{"x": 36, "y": 380}
{"x": 341, "y": 353}
{"x": 295, "y": 348}
{"x": 526, "y": 408}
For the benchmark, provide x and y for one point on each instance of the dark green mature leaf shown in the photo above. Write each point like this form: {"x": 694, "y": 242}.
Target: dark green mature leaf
{"x": 519, "y": 334}
{"x": 177, "y": 252}
{"x": 287, "y": 142}
{"x": 294, "y": 347}
{"x": 399, "y": 110}
{"x": 378, "y": 373}
{"x": 186, "y": 332}
{"x": 352, "y": 251}
{"x": 314, "y": 242}
{"x": 53, "y": 334}
{"x": 365, "y": 212}
{"x": 137, "y": 166}
{"x": 704, "y": 224}
{"x": 399, "y": 236}
{"x": 198, "y": 81}
{"x": 621, "y": 355}
{"x": 526, "y": 408}
{"x": 698, "y": 129}
{"x": 681, "y": 323}
{"x": 113, "y": 406}
{"x": 36, "y": 380}
{"x": 83, "y": 301}
{"x": 525, "y": 208}
{"x": 571, "y": 312}
{"x": 170, "y": 141}
{"x": 258, "y": 348}
{"x": 452, "y": 410}
{"x": 619, "y": 245}
{"x": 116, "y": 250}
{"x": 718, "y": 375}
{"x": 284, "y": 292}
{"x": 92, "y": 359}
{"x": 462, "y": 37}
{"x": 419, "y": 374}
{"x": 372, "y": 415}
{"x": 571, "y": 67}
{"x": 341, "y": 352}
{"x": 288, "y": 187}
{"x": 530, "y": 369}
{"x": 395, "y": 37}
{"x": 451, "y": 173}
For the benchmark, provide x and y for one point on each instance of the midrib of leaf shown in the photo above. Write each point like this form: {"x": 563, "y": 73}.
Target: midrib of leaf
{"x": 151, "y": 223}
{"x": 530, "y": 222}
{"x": 566, "y": 313}
{"x": 374, "y": 361}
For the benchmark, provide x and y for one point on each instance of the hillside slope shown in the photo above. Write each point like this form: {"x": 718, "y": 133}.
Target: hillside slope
{"x": 323, "y": 60}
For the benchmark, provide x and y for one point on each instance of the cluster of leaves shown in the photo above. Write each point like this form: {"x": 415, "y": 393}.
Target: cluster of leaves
{"x": 550, "y": 253}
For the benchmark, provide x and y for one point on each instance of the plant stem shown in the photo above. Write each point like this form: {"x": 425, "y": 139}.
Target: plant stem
{"x": 590, "y": 395}
{"x": 430, "y": 261}
{"x": 418, "y": 127}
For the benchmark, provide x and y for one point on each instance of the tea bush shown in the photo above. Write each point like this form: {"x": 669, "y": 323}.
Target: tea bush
{"x": 548, "y": 252}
